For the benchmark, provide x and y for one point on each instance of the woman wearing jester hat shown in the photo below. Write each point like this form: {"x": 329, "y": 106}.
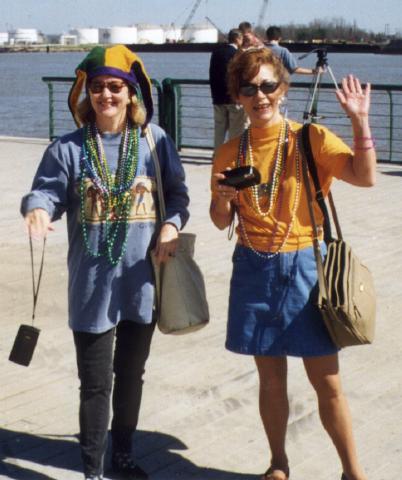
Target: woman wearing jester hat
{"x": 92, "y": 174}
{"x": 271, "y": 311}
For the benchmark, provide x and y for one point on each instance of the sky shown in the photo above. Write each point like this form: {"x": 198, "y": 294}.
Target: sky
{"x": 58, "y": 16}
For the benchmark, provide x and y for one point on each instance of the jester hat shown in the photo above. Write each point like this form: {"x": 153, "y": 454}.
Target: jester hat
{"x": 117, "y": 61}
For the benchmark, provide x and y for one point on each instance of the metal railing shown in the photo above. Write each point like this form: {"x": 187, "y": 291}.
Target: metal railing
{"x": 183, "y": 108}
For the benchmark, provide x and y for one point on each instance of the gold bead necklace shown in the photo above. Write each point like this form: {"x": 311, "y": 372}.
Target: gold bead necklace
{"x": 243, "y": 231}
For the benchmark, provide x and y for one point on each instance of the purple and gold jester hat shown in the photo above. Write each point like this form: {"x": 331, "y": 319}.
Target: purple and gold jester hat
{"x": 120, "y": 62}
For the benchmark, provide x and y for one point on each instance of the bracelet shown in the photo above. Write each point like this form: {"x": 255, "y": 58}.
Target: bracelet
{"x": 364, "y": 140}
{"x": 364, "y": 148}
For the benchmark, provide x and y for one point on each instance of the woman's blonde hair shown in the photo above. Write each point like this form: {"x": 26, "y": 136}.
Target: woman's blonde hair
{"x": 135, "y": 110}
{"x": 245, "y": 65}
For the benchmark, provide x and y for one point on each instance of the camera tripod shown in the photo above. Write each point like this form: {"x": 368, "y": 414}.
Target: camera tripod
{"x": 310, "y": 111}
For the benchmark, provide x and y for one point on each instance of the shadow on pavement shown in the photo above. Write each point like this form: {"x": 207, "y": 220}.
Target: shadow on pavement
{"x": 155, "y": 451}
{"x": 393, "y": 173}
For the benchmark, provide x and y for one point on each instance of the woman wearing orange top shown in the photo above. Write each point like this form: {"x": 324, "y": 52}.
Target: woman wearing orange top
{"x": 271, "y": 314}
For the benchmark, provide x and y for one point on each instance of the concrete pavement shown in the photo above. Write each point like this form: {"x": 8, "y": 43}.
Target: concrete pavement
{"x": 200, "y": 413}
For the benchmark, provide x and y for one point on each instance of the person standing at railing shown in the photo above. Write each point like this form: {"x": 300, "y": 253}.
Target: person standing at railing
{"x": 271, "y": 310}
{"x": 250, "y": 39}
{"x": 274, "y": 36}
{"x": 229, "y": 117}
{"x": 99, "y": 175}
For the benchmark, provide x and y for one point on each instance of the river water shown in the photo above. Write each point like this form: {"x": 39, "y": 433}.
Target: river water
{"x": 24, "y": 97}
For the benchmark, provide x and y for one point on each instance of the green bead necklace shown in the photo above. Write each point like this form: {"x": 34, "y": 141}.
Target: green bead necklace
{"x": 114, "y": 190}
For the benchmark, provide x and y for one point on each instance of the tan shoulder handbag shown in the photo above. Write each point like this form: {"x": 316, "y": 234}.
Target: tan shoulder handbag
{"x": 346, "y": 295}
{"x": 181, "y": 301}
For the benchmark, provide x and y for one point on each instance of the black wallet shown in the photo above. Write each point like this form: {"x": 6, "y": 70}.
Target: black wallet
{"x": 241, "y": 177}
{"x": 24, "y": 345}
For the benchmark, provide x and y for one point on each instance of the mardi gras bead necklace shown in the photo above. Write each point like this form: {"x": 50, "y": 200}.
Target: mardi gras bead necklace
{"x": 279, "y": 165}
{"x": 279, "y": 197}
{"x": 113, "y": 190}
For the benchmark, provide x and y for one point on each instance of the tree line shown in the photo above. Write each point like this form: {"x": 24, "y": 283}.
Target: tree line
{"x": 334, "y": 30}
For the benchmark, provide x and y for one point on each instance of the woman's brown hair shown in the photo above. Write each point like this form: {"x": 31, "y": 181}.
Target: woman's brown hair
{"x": 244, "y": 66}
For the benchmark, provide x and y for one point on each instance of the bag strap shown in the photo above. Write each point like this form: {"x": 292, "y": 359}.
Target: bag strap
{"x": 35, "y": 288}
{"x": 308, "y": 154}
{"x": 322, "y": 283}
{"x": 158, "y": 175}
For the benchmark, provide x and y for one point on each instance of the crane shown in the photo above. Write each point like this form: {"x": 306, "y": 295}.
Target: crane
{"x": 191, "y": 15}
{"x": 261, "y": 15}
{"x": 214, "y": 25}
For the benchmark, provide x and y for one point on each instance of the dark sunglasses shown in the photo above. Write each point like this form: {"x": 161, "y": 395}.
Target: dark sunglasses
{"x": 251, "y": 89}
{"x": 113, "y": 86}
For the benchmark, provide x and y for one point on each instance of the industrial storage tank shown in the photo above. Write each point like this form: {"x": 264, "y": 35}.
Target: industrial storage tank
{"x": 200, "y": 33}
{"x": 86, "y": 35}
{"x": 3, "y": 38}
{"x": 68, "y": 39}
{"x": 147, "y": 33}
{"x": 172, "y": 33}
{"x": 25, "y": 35}
{"x": 113, "y": 35}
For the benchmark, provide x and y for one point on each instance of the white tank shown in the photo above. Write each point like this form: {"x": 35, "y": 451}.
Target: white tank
{"x": 200, "y": 33}
{"x": 114, "y": 35}
{"x": 25, "y": 35}
{"x": 172, "y": 33}
{"x": 147, "y": 33}
{"x": 67, "y": 39}
{"x": 86, "y": 35}
{"x": 3, "y": 38}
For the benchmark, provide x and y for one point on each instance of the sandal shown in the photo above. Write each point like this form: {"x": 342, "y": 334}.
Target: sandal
{"x": 269, "y": 474}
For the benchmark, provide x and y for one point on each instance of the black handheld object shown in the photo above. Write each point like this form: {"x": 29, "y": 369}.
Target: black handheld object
{"x": 24, "y": 345}
{"x": 27, "y": 335}
{"x": 241, "y": 177}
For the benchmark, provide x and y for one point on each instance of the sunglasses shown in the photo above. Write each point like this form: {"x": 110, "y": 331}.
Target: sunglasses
{"x": 251, "y": 89}
{"x": 113, "y": 86}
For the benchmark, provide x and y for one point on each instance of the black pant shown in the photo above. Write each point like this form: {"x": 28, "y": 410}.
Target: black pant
{"x": 96, "y": 364}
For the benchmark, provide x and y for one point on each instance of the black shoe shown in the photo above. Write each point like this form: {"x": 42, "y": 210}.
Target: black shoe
{"x": 124, "y": 465}
{"x": 344, "y": 477}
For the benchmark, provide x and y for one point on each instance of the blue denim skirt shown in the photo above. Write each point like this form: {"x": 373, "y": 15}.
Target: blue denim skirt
{"x": 271, "y": 311}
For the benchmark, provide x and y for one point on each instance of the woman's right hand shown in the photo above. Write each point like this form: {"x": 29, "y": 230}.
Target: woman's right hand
{"x": 38, "y": 223}
{"x": 221, "y": 209}
{"x": 225, "y": 194}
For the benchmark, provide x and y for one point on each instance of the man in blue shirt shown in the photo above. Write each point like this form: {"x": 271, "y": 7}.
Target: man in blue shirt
{"x": 274, "y": 36}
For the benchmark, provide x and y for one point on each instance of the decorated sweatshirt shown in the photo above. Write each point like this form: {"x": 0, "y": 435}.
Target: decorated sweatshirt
{"x": 99, "y": 293}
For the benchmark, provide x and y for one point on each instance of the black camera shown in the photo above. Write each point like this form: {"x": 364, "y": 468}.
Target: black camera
{"x": 24, "y": 345}
{"x": 241, "y": 177}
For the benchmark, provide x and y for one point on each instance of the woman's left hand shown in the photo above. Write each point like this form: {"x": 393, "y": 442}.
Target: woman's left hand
{"x": 353, "y": 99}
{"x": 166, "y": 244}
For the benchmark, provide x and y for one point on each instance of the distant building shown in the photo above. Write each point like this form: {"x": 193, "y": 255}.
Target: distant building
{"x": 25, "y": 36}
{"x": 4, "y": 38}
{"x": 115, "y": 35}
{"x": 147, "y": 33}
{"x": 200, "y": 33}
{"x": 68, "y": 39}
{"x": 139, "y": 33}
{"x": 86, "y": 36}
{"x": 53, "y": 38}
{"x": 172, "y": 34}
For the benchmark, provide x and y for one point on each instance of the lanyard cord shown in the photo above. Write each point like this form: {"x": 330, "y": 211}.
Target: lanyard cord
{"x": 35, "y": 288}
